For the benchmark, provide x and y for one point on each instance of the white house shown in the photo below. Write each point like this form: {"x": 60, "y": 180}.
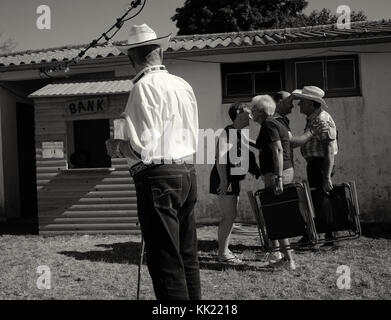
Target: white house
{"x": 352, "y": 65}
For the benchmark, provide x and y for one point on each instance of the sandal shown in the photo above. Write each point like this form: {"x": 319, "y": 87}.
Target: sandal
{"x": 273, "y": 257}
{"x": 230, "y": 259}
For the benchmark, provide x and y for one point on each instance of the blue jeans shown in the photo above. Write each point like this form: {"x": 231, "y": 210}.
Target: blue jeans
{"x": 166, "y": 196}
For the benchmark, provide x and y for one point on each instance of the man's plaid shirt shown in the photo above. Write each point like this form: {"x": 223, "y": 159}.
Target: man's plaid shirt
{"x": 314, "y": 147}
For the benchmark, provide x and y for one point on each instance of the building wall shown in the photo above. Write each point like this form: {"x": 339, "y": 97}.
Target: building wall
{"x": 374, "y": 168}
{"x": 206, "y": 82}
{"x": 364, "y": 136}
{"x": 9, "y": 172}
{"x": 363, "y": 124}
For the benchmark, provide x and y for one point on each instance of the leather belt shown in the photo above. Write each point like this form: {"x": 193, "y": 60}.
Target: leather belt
{"x": 141, "y": 166}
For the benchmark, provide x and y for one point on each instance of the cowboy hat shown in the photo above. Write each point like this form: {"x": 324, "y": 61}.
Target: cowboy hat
{"x": 142, "y": 35}
{"x": 311, "y": 93}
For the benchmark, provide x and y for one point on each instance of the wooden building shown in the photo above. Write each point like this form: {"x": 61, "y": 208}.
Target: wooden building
{"x": 79, "y": 187}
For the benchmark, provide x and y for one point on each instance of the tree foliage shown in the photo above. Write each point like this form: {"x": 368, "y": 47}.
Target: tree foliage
{"x": 214, "y": 16}
{"x": 6, "y": 46}
{"x": 325, "y": 16}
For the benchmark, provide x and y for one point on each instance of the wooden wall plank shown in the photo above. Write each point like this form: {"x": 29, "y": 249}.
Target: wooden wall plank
{"x": 51, "y": 163}
{"x": 114, "y": 188}
{"x": 90, "y": 220}
{"x": 88, "y": 207}
{"x": 69, "y": 194}
{"x": 48, "y": 169}
{"x": 92, "y": 232}
{"x": 90, "y": 214}
{"x": 105, "y": 226}
{"x": 50, "y": 130}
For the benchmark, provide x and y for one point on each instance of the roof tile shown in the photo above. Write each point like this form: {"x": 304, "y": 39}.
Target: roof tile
{"x": 260, "y": 38}
{"x": 83, "y": 88}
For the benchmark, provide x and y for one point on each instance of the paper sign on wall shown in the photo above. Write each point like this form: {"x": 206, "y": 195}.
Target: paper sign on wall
{"x": 52, "y": 149}
{"x": 119, "y": 129}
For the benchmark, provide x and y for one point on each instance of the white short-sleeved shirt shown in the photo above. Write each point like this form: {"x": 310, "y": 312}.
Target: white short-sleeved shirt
{"x": 161, "y": 116}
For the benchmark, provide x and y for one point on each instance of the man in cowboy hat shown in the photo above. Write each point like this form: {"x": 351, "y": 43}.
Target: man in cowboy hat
{"x": 319, "y": 151}
{"x": 284, "y": 106}
{"x": 160, "y": 112}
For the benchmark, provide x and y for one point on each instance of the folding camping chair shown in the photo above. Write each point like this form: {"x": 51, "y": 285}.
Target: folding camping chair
{"x": 288, "y": 215}
{"x": 292, "y": 214}
{"x": 344, "y": 222}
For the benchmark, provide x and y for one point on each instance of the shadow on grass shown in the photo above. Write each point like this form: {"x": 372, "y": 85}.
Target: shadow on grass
{"x": 123, "y": 252}
{"x": 209, "y": 263}
{"x": 20, "y": 226}
{"x": 212, "y": 245}
{"x": 376, "y": 230}
{"x": 129, "y": 253}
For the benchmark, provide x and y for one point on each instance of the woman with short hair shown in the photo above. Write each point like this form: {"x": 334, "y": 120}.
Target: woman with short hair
{"x": 274, "y": 159}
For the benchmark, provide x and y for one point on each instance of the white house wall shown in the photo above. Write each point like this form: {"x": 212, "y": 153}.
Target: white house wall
{"x": 363, "y": 123}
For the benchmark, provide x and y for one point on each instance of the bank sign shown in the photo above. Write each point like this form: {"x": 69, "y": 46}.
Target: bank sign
{"x": 87, "y": 106}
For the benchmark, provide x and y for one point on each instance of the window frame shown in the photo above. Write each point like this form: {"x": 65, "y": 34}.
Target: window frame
{"x": 249, "y": 68}
{"x": 354, "y": 75}
{"x": 334, "y": 93}
{"x": 282, "y": 75}
{"x": 310, "y": 61}
{"x": 237, "y": 73}
{"x": 288, "y": 75}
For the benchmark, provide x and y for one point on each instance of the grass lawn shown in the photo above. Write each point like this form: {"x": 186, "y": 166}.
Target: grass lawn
{"x": 105, "y": 267}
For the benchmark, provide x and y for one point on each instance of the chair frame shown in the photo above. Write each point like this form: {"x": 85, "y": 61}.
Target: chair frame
{"x": 356, "y": 232}
{"x": 309, "y": 216}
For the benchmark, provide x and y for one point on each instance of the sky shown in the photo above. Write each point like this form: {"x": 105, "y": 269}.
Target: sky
{"x": 81, "y": 21}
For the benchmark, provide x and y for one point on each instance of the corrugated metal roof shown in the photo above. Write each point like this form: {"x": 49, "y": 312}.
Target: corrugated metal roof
{"x": 262, "y": 39}
{"x": 83, "y": 88}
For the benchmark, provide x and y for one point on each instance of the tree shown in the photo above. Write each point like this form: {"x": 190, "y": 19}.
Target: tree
{"x": 325, "y": 16}
{"x": 206, "y": 16}
{"x": 6, "y": 46}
